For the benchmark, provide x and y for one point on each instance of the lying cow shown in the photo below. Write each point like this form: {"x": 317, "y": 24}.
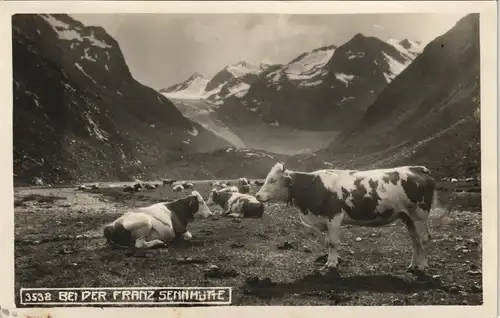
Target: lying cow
{"x": 157, "y": 224}
{"x": 168, "y": 181}
{"x": 229, "y": 189}
{"x": 258, "y": 183}
{"x": 236, "y": 204}
{"x": 188, "y": 185}
{"x": 178, "y": 188}
{"x": 37, "y": 181}
{"x": 328, "y": 198}
{"x": 243, "y": 185}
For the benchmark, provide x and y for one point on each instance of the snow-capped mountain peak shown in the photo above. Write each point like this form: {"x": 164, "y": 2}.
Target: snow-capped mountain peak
{"x": 407, "y": 47}
{"x": 195, "y": 76}
{"x": 192, "y": 88}
{"x": 243, "y": 68}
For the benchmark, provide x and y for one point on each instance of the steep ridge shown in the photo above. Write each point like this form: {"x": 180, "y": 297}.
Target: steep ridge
{"x": 330, "y": 87}
{"x": 428, "y": 115}
{"x": 192, "y": 88}
{"x": 79, "y": 114}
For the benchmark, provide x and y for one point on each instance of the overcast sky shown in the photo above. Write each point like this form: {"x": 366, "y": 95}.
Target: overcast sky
{"x": 165, "y": 49}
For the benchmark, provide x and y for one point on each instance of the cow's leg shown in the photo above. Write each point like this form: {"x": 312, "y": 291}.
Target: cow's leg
{"x": 142, "y": 229}
{"x": 419, "y": 234}
{"x": 422, "y": 230}
{"x": 142, "y": 243}
{"x": 333, "y": 241}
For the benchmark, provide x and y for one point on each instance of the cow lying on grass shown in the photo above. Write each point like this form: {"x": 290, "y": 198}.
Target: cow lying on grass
{"x": 235, "y": 204}
{"x": 328, "y": 198}
{"x": 243, "y": 185}
{"x": 157, "y": 224}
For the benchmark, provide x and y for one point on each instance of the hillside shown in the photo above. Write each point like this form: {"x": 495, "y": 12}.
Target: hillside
{"x": 428, "y": 115}
{"x": 331, "y": 87}
{"x": 79, "y": 114}
{"x": 228, "y": 163}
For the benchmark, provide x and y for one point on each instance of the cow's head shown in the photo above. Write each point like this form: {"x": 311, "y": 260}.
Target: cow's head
{"x": 276, "y": 186}
{"x": 203, "y": 209}
{"x": 211, "y": 196}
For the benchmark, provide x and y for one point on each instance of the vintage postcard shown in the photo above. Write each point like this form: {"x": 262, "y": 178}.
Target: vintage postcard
{"x": 249, "y": 158}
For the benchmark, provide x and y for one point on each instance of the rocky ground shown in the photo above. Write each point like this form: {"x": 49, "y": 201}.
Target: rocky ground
{"x": 58, "y": 243}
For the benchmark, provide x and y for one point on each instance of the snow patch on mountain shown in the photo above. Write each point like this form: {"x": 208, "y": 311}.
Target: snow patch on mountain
{"x": 243, "y": 68}
{"x": 395, "y": 67}
{"x": 309, "y": 65}
{"x": 344, "y": 78}
{"x": 69, "y": 33}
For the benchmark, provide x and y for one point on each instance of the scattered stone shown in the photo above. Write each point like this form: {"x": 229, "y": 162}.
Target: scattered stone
{"x": 254, "y": 280}
{"x": 307, "y": 250}
{"x": 66, "y": 250}
{"x": 476, "y": 289}
{"x": 453, "y": 289}
{"x": 358, "y": 239}
{"x": 321, "y": 260}
{"x": 436, "y": 276}
{"x": 237, "y": 245}
{"x": 476, "y": 272}
{"x": 190, "y": 260}
{"x": 216, "y": 272}
{"x": 286, "y": 246}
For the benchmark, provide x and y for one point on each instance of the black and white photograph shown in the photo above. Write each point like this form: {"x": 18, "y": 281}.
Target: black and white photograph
{"x": 192, "y": 159}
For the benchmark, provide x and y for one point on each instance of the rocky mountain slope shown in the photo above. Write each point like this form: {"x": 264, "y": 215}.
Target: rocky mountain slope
{"x": 330, "y": 87}
{"x": 428, "y": 115}
{"x": 79, "y": 114}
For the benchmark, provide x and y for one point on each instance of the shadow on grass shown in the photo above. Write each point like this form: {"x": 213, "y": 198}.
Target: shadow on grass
{"x": 317, "y": 284}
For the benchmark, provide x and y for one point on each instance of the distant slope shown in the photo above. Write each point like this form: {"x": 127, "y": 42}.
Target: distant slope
{"x": 78, "y": 112}
{"x": 428, "y": 115}
{"x": 330, "y": 87}
{"x": 229, "y": 163}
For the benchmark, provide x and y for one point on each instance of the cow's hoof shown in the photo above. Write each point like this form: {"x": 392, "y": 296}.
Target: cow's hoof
{"x": 411, "y": 269}
{"x": 330, "y": 272}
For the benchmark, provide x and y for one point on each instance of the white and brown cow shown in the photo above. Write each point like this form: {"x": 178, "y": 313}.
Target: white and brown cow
{"x": 235, "y": 204}
{"x": 243, "y": 185}
{"x": 328, "y": 198}
{"x": 157, "y": 224}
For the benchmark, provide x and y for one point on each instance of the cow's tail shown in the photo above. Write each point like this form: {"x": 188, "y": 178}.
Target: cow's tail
{"x": 437, "y": 207}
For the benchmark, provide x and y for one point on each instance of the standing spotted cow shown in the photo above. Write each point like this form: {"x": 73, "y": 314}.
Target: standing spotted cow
{"x": 328, "y": 198}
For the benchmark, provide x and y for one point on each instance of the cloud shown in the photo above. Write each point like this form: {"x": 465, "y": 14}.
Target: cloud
{"x": 164, "y": 49}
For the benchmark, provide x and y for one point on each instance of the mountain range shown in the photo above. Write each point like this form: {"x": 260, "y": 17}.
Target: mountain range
{"x": 324, "y": 89}
{"x": 80, "y": 115}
